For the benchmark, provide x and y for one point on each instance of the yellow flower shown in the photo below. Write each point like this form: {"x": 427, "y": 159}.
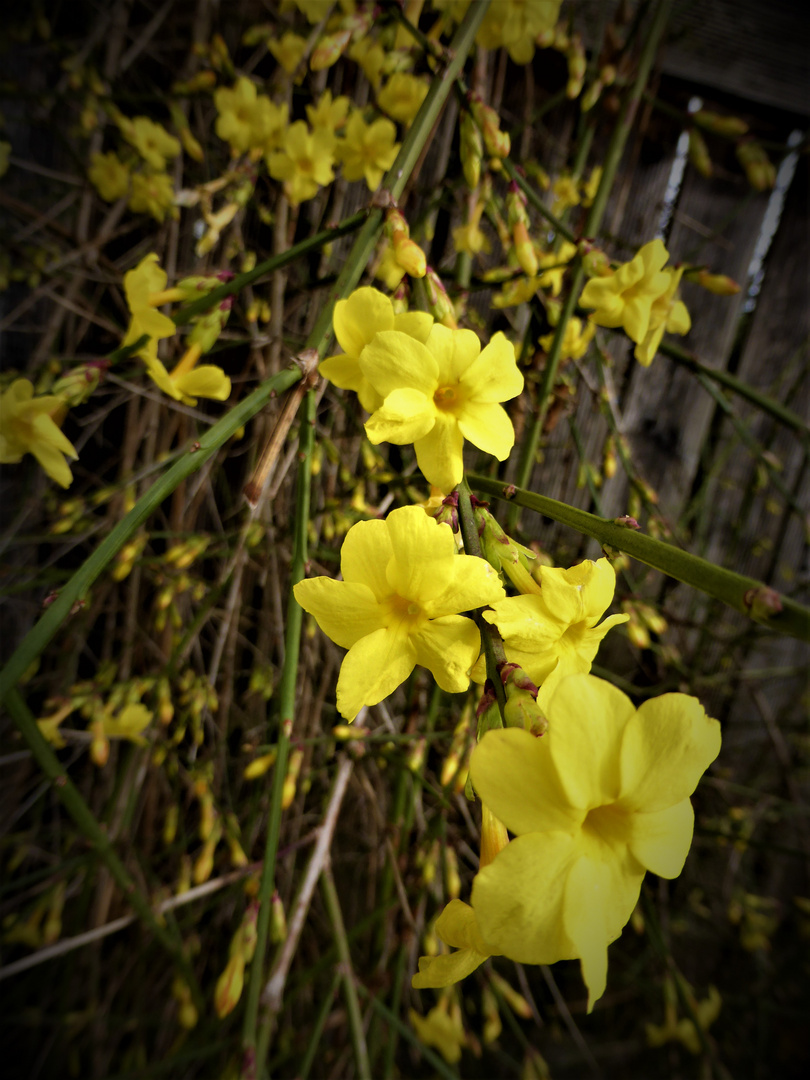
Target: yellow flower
{"x": 329, "y": 114}
{"x": 555, "y": 263}
{"x": 128, "y": 724}
{"x": 438, "y": 394}
{"x": 144, "y": 287}
{"x": 304, "y": 163}
{"x": 402, "y": 96}
{"x": 666, "y": 313}
{"x": 397, "y": 606}
{"x": 248, "y": 120}
{"x": 595, "y": 803}
{"x": 626, "y": 297}
{"x": 27, "y": 427}
{"x": 109, "y": 176}
{"x": 442, "y": 1028}
{"x": 152, "y": 193}
{"x": 566, "y": 194}
{"x": 515, "y": 24}
{"x": 288, "y": 51}
{"x": 367, "y": 150}
{"x": 356, "y": 321}
{"x": 152, "y": 141}
{"x": 576, "y": 339}
{"x": 187, "y": 382}
{"x": 555, "y": 629}
{"x": 370, "y": 55}
{"x": 591, "y": 186}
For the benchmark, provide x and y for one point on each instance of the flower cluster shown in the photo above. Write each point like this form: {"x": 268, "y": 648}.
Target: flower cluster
{"x": 641, "y": 297}
{"x": 427, "y": 385}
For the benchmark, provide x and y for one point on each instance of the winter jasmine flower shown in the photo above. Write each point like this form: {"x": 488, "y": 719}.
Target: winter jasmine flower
{"x": 27, "y": 427}
{"x": 438, "y": 394}
{"x": 600, "y": 799}
{"x": 667, "y": 313}
{"x": 625, "y": 298}
{"x": 367, "y": 150}
{"x": 397, "y": 606}
{"x": 402, "y": 96}
{"x": 304, "y": 163}
{"x": 152, "y": 141}
{"x": 109, "y": 176}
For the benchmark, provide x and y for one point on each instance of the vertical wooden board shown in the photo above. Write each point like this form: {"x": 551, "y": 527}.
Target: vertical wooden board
{"x": 667, "y": 412}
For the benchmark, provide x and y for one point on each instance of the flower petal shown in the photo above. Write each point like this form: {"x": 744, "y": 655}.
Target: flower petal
{"x": 457, "y": 926}
{"x": 473, "y": 584}
{"x": 416, "y": 324}
{"x": 373, "y": 668}
{"x": 587, "y": 897}
{"x": 436, "y": 972}
{"x": 394, "y": 360}
{"x": 440, "y": 453}
{"x": 488, "y": 427}
{"x": 666, "y": 748}
{"x": 405, "y": 416}
{"x": 515, "y": 776}
{"x": 357, "y": 319}
{"x": 518, "y": 898}
{"x": 660, "y": 841}
{"x": 423, "y": 554}
{"x": 454, "y": 351}
{"x": 587, "y": 719}
{"x": 365, "y": 553}
{"x": 346, "y": 612}
{"x": 449, "y": 647}
{"x": 494, "y": 375}
{"x": 208, "y": 381}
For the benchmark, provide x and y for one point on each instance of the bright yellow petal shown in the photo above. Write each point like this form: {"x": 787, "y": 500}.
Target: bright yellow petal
{"x": 373, "y": 668}
{"x": 488, "y": 427}
{"x": 52, "y": 462}
{"x": 666, "y": 748}
{"x": 365, "y": 554}
{"x": 416, "y": 324}
{"x": 439, "y": 453}
{"x": 346, "y": 612}
{"x": 518, "y": 898}
{"x": 494, "y": 375}
{"x": 449, "y": 647}
{"x": 423, "y": 554}
{"x": 515, "y": 775}
{"x": 660, "y": 841}
{"x": 357, "y": 319}
{"x": 472, "y": 583}
{"x": 436, "y": 972}
{"x": 457, "y": 926}
{"x": 587, "y": 896}
{"x": 207, "y": 381}
{"x": 455, "y": 352}
{"x": 405, "y": 416}
{"x": 394, "y": 360}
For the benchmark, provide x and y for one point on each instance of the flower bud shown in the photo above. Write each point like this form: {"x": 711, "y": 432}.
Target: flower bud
{"x": 699, "y": 153}
{"x": 329, "y": 50}
{"x": 291, "y": 779}
{"x": 229, "y": 986}
{"x": 278, "y": 920}
{"x": 719, "y": 284}
{"x": 471, "y": 150}
{"x": 497, "y": 142}
{"x": 494, "y": 836}
{"x": 75, "y": 387}
{"x": 439, "y": 303}
{"x": 758, "y": 167}
{"x": 521, "y": 709}
{"x": 732, "y": 126}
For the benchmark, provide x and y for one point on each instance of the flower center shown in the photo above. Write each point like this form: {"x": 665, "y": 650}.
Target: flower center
{"x": 306, "y": 166}
{"x": 447, "y": 398}
{"x": 606, "y": 824}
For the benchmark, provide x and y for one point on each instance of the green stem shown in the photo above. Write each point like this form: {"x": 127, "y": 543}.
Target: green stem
{"x": 612, "y": 160}
{"x": 326, "y": 236}
{"x": 286, "y": 713}
{"x": 83, "y": 816}
{"x": 358, "y": 1037}
{"x": 726, "y": 585}
{"x": 763, "y": 401}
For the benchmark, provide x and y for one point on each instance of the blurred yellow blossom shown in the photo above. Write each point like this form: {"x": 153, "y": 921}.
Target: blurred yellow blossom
{"x": 27, "y": 427}
{"x": 304, "y": 163}
{"x": 109, "y": 176}
{"x": 152, "y": 141}
{"x": 367, "y": 150}
{"x": 442, "y": 1028}
{"x": 402, "y": 96}
{"x": 625, "y": 298}
{"x": 329, "y": 114}
{"x": 288, "y": 51}
{"x": 152, "y": 193}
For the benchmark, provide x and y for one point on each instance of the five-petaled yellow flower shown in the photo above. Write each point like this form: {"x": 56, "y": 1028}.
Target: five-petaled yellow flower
{"x": 367, "y": 150}
{"x": 438, "y": 394}
{"x": 600, "y": 799}
{"x": 397, "y": 606}
{"x": 304, "y": 162}
{"x": 625, "y": 298}
{"x": 555, "y": 629}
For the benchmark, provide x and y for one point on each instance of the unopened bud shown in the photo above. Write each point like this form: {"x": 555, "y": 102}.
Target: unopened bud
{"x": 762, "y": 602}
{"x": 497, "y": 142}
{"x": 719, "y": 284}
{"x": 494, "y": 836}
{"x": 521, "y": 709}
{"x": 732, "y": 126}
{"x": 471, "y": 150}
{"x": 291, "y": 779}
{"x": 229, "y": 986}
{"x": 758, "y": 167}
{"x": 329, "y": 50}
{"x": 699, "y": 153}
{"x": 438, "y": 301}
